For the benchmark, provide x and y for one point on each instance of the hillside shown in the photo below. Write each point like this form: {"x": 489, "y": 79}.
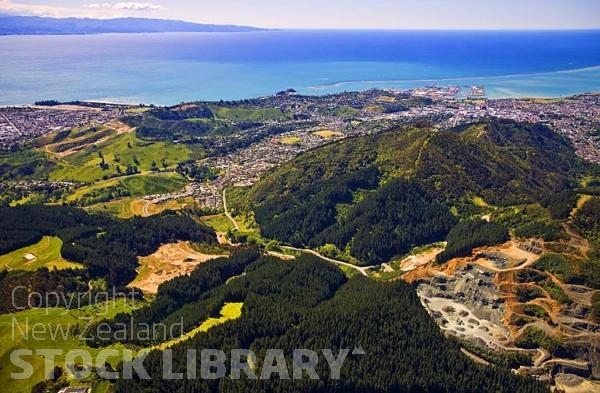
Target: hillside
{"x": 35, "y": 25}
{"x": 350, "y": 194}
{"x": 309, "y": 304}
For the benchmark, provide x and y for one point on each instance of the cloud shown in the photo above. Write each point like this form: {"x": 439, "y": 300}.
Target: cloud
{"x": 128, "y": 6}
{"x": 95, "y": 10}
{"x": 9, "y": 7}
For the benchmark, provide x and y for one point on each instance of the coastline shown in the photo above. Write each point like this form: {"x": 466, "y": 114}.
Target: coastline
{"x": 167, "y": 68}
{"x": 108, "y": 102}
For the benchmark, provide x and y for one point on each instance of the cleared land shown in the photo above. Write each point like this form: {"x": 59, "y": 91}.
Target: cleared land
{"x": 290, "y": 140}
{"x": 229, "y": 312}
{"x": 501, "y": 297}
{"x": 241, "y": 114}
{"x": 45, "y": 253}
{"x": 137, "y": 185}
{"x": 411, "y": 262}
{"x": 169, "y": 261}
{"x": 120, "y": 208}
{"x": 63, "y": 335}
{"x": 122, "y": 150}
{"x": 218, "y": 222}
{"x": 327, "y": 134}
{"x": 144, "y": 208}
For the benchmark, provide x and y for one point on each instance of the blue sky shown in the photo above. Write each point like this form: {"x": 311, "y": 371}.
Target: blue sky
{"x": 360, "y": 14}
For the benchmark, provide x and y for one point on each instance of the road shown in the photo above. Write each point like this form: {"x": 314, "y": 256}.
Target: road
{"x": 362, "y": 270}
{"x": 12, "y": 124}
{"x": 235, "y": 224}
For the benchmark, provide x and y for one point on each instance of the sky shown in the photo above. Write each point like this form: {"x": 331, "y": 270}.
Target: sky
{"x": 336, "y": 14}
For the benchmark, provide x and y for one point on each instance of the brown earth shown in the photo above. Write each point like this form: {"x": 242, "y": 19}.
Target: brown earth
{"x": 169, "y": 261}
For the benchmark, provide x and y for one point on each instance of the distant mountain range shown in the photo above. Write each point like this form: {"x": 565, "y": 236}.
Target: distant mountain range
{"x": 35, "y": 25}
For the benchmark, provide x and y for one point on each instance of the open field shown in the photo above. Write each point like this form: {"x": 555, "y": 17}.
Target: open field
{"x": 60, "y": 333}
{"x": 122, "y": 150}
{"x": 479, "y": 202}
{"x": 574, "y": 384}
{"x": 172, "y": 204}
{"x": 153, "y": 184}
{"x": 144, "y": 208}
{"x": 137, "y": 185}
{"x": 140, "y": 109}
{"x": 120, "y": 208}
{"x": 327, "y": 134}
{"x": 386, "y": 99}
{"x": 229, "y": 312}
{"x": 126, "y": 208}
{"x": 290, "y": 140}
{"x": 218, "y": 222}
{"x": 80, "y": 141}
{"x": 241, "y": 114}
{"x": 46, "y": 253}
{"x": 169, "y": 261}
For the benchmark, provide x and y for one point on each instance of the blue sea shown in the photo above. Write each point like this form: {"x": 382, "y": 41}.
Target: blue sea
{"x": 171, "y": 68}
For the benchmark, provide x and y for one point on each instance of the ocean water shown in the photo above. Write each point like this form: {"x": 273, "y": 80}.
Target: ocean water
{"x": 175, "y": 67}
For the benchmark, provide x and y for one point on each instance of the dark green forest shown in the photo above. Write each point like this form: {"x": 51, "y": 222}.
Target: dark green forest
{"x": 310, "y": 304}
{"x": 467, "y": 235}
{"x": 185, "y": 296}
{"x": 108, "y": 247}
{"x": 390, "y": 221}
{"x": 376, "y": 197}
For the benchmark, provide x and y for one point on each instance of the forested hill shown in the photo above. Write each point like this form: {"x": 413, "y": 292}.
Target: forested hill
{"x": 35, "y": 25}
{"x": 310, "y": 304}
{"x": 380, "y": 195}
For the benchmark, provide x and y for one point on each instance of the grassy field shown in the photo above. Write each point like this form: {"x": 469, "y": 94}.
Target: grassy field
{"x": 138, "y": 185}
{"x": 47, "y": 253}
{"x": 120, "y": 208}
{"x": 479, "y": 202}
{"x": 24, "y": 161}
{"x": 122, "y": 150}
{"x": 219, "y": 222}
{"x": 386, "y": 99}
{"x": 24, "y": 322}
{"x": 229, "y": 312}
{"x": 81, "y": 192}
{"x": 253, "y": 114}
{"x": 129, "y": 207}
{"x": 172, "y": 204}
{"x": 342, "y": 111}
{"x": 290, "y": 140}
{"x": 81, "y": 139}
{"x": 153, "y": 184}
{"x": 327, "y": 134}
{"x": 139, "y": 109}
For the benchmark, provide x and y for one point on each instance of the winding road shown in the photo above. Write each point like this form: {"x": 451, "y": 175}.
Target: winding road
{"x": 361, "y": 269}
{"x": 227, "y": 213}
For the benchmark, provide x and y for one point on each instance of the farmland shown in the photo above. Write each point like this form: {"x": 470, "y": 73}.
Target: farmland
{"x": 120, "y": 152}
{"x": 46, "y": 253}
{"x": 21, "y": 325}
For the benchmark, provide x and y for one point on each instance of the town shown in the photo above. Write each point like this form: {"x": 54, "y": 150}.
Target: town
{"x": 241, "y": 158}
{"x": 21, "y": 124}
{"x": 577, "y": 118}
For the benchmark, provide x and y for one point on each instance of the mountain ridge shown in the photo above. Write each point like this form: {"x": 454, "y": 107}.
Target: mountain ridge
{"x": 36, "y": 25}
{"x": 370, "y": 195}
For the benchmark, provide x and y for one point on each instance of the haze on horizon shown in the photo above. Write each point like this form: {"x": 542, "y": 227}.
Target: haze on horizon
{"x": 335, "y": 14}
